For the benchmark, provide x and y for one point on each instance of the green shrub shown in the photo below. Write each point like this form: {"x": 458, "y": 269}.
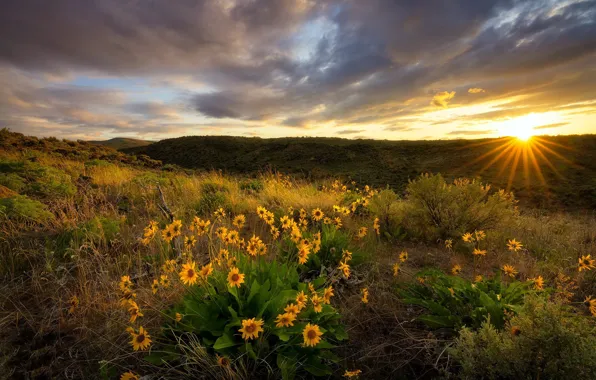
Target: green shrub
{"x": 30, "y": 178}
{"x": 20, "y": 207}
{"x": 545, "y": 341}
{"x": 435, "y": 209}
{"x": 452, "y": 302}
{"x": 212, "y": 314}
{"x": 98, "y": 231}
{"x": 252, "y": 186}
{"x": 213, "y": 196}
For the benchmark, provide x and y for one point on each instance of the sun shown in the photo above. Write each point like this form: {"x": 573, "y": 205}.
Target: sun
{"x": 524, "y": 133}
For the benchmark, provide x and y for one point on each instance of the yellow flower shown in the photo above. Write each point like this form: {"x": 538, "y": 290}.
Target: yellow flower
{"x": 327, "y": 294}
{"x": 223, "y": 361}
{"x": 377, "y": 226}
{"x": 302, "y": 213}
{"x": 364, "y": 295}
{"x": 327, "y": 220}
{"x": 311, "y": 287}
{"x": 362, "y": 232}
{"x": 354, "y": 373}
{"x": 420, "y": 280}
{"x": 514, "y": 245}
{"x": 178, "y": 317}
{"x": 239, "y": 221}
{"x": 235, "y": 278}
{"x": 312, "y": 335}
{"x": 74, "y": 303}
{"x": 261, "y": 211}
{"x": 591, "y": 304}
{"x": 201, "y": 226}
{"x": 586, "y": 263}
{"x": 134, "y": 311}
{"x": 317, "y": 214}
{"x": 301, "y": 299}
{"x": 479, "y": 235}
{"x": 538, "y": 283}
{"x": 337, "y": 222}
{"x": 274, "y": 232}
{"x": 206, "y": 270}
{"x": 451, "y": 291}
{"x": 140, "y": 341}
{"x": 396, "y": 269}
{"x": 467, "y": 237}
{"x": 286, "y": 222}
{"x": 189, "y": 242}
{"x": 188, "y": 274}
{"x": 509, "y": 270}
{"x": 251, "y": 328}
{"x": 167, "y": 234}
{"x": 176, "y": 227}
{"x": 345, "y": 268}
{"x": 269, "y": 218}
{"x": 303, "y": 254}
{"x": 292, "y": 308}
{"x": 155, "y": 286}
{"x": 219, "y": 213}
{"x": 515, "y": 330}
{"x": 129, "y": 376}
{"x": 317, "y": 303}
{"x": 164, "y": 280}
{"x": 403, "y": 256}
{"x": 169, "y": 266}
{"x": 448, "y": 243}
{"x": 285, "y": 320}
{"x": 479, "y": 252}
{"x": 478, "y": 278}
{"x": 221, "y": 232}
{"x": 456, "y": 269}
{"x": 125, "y": 283}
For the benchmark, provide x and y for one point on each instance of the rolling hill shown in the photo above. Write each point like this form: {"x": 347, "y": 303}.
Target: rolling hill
{"x": 119, "y": 143}
{"x": 567, "y": 175}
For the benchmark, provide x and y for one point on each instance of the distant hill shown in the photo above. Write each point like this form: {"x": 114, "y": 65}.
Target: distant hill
{"x": 119, "y": 143}
{"x": 567, "y": 177}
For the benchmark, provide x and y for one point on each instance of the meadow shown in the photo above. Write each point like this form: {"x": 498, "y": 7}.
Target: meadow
{"x": 116, "y": 266}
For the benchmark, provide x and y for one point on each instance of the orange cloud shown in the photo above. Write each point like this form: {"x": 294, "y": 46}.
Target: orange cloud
{"x": 441, "y": 99}
{"x": 475, "y": 90}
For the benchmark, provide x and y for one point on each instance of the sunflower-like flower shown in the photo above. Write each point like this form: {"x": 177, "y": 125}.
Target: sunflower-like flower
{"x": 286, "y": 222}
{"x": 514, "y": 245}
{"x": 364, "y": 295}
{"x": 301, "y": 299}
{"x": 586, "y": 263}
{"x": 134, "y": 311}
{"x": 448, "y": 243}
{"x": 456, "y": 269}
{"x": 200, "y": 226}
{"x": 403, "y": 256}
{"x": 285, "y": 320}
{"x": 350, "y": 374}
{"x": 478, "y": 278}
{"x": 176, "y": 227}
{"x": 362, "y": 231}
{"x": 239, "y": 221}
{"x": 155, "y": 286}
{"x": 327, "y": 294}
{"x": 167, "y": 234}
{"x": 188, "y": 274}
{"x": 317, "y": 214}
{"x": 591, "y": 304}
{"x": 509, "y": 270}
{"x": 312, "y": 335}
{"x": 235, "y": 278}
{"x": 317, "y": 303}
{"x": 377, "y": 226}
{"x": 169, "y": 266}
{"x": 337, "y": 222}
{"x": 345, "y": 268}
{"x": 251, "y": 328}
{"x": 129, "y": 376}
{"x": 292, "y": 308}
{"x": 480, "y": 235}
{"x": 303, "y": 213}
{"x": 141, "y": 340}
{"x": 479, "y": 252}
{"x": 178, "y": 317}
{"x": 125, "y": 283}
{"x": 303, "y": 254}
{"x": 219, "y": 213}
{"x": 261, "y": 211}
{"x": 206, "y": 270}
{"x": 189, "y": 242}
{"x": 223, "y": 361}
{"x": 396, "y": 269}
{"x": 538, "y": 283}
{"x": 467, "y": 237}
{"x": 74, "y": 303}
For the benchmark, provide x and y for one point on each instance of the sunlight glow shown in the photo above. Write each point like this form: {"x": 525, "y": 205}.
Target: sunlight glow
{"x": 523, "y": 127}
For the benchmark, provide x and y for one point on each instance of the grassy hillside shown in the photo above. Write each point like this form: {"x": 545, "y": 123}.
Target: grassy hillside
{"x": 110, "y": 265}
{"x": 569, "y": 175}
{"x": 119, "y": 143}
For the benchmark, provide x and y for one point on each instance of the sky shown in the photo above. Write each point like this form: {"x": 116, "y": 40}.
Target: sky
{"x": 381, "y": 69}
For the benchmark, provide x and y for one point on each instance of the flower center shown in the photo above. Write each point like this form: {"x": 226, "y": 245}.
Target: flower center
{"x": 250, "y": 328}
{"x": 235, "y": 277}
{"x": 140, "y": 338}
{"x": 312, "y": 334}
{"x": 190, "y": 273}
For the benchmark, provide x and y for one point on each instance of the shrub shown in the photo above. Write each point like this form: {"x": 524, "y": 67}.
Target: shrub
{"x": 30, "y": 178}
{"x": 20, "y": 207}
{"x": 453, "y": 302}
{"x": 213, "y": 196}
{"x": 212, "y": 314}
{"x": 252, "y": 186}
{"x": 438, "y": 210}
{"x": 545, "y": 341}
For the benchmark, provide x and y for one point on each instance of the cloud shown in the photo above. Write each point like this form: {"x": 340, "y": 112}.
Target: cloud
{"x": 471, "y": 132}
{"x": 549, "y": 126}
{"x": 441, "y": 99}
{"x": 289, "y": 63}
{"x": 349, "y": 131}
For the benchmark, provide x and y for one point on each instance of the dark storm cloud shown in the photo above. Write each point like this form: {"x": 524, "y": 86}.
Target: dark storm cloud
{"x": 376, "y": 61}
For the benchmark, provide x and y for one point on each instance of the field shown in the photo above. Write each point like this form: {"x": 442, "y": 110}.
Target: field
{"x": 117, "y": 266}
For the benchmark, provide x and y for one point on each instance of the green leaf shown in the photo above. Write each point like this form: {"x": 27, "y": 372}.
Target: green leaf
{"x": 437, "y": 322}
{"x": 224, "y": 341}
{"x": 254, "y": 289}
{"x": 316, "y": 367}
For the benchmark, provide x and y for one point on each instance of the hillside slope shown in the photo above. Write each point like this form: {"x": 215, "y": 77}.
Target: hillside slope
{"x": 119, "y": 143}
{"x": 567, "y": 163}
